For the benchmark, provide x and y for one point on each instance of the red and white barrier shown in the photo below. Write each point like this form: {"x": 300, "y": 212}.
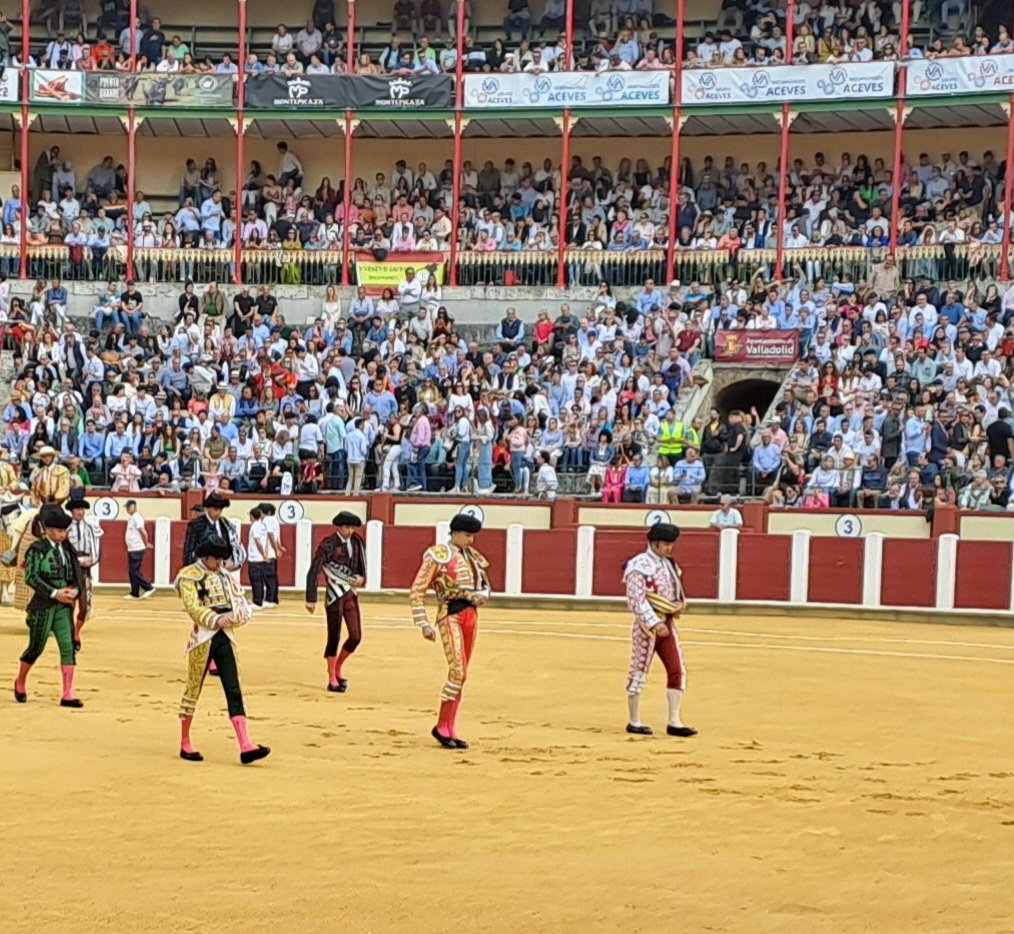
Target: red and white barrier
{"x": 722, "y": 567}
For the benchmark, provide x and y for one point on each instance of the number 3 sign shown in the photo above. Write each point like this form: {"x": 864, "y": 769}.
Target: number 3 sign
{"x": 291, "y": 511}
{"x": 106, "y": 509}
{"x": 848, "y": 526}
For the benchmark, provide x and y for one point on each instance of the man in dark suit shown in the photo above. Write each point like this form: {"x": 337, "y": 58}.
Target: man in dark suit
{"x": 211, "y": 522}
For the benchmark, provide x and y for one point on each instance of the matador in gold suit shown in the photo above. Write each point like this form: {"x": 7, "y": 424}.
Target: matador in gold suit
{"x": 216, "y": 606}
{"x": 457, "y": 575}
{"x": 50, "y": 481}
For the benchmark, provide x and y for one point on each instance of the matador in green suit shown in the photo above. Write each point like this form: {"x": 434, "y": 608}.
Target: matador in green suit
{"x": 53, "y": 574}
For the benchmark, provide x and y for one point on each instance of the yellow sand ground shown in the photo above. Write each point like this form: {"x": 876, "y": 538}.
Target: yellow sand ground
{"x": 848, "y": 777}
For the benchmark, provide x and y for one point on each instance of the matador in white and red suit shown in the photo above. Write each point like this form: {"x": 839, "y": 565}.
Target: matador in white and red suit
{"x": 655, "y": 597}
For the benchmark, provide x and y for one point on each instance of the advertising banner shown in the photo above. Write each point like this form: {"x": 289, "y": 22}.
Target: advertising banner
{"x": 568, "y": 89}
{"x": 375, "y": 275}
{"x": 342, "y": 92}
{"x": 123, "y": 89}
{"x": 757, "y": 348}
{"x": 973, "y": 74}
{"x": 10, "y": 85}
{"x": 787, "y": 83}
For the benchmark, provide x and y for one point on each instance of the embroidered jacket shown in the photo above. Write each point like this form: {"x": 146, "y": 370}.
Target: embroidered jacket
{"x": 453, "y": 574}
{"x": 653, "y": 588}
{"x": 206, "y": 594}
{"x": 332, "y": 559}
{"x": 50, "y": 567}
{"x": 84, "y": 537}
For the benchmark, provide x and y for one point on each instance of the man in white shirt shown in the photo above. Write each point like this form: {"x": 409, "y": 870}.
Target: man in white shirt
{"x": 261, "y": 557}
{"x": 726, "y": 516}
{"x": 136, "y": 540}
{"x": 410, "y": 291}
{"x": 290, "y": 168}
{"x": 274, "y": 531}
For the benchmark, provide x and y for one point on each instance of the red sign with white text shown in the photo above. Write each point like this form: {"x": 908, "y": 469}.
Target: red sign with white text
{"x": 757, "y": 348}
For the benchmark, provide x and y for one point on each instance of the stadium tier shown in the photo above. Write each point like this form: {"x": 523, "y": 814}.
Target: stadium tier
{"x": 288, "y": 275}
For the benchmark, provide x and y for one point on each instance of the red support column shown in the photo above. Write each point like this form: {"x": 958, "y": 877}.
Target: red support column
{"x": 568, "y": 64}
{"x": 133, "y": 34}
{"x": 1008, "y": 184}
{"x": 899, "y": 127}
{"x": 674, "y": 191}
{"x": 240, "y": 145}
{"x": 459, "y": 98}
{"x": 131, "y": 188}
{"x": 350, "y": 44}
{"x": 26, "y": 197}
{"x": 783, "y": 157}
{"x": 561, "y": 265}
{"x": 350, "y": 129}
{"x": 674, "y": 153}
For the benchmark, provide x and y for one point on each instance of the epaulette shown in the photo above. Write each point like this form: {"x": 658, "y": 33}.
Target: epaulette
{"x": 190, "y": 573}
{"x": 442, "y": 554}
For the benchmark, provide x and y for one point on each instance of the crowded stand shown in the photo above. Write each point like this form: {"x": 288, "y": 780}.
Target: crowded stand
{"x": 900, "y": 398}
{"x": 617, "y": 229}
{"x": 610, "y": 35}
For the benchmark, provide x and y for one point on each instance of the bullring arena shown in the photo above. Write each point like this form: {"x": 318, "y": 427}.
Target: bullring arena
{"x": 851, "y": 773}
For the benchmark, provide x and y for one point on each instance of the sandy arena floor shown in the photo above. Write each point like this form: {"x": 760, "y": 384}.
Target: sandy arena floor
{"x": 847, "y": 777}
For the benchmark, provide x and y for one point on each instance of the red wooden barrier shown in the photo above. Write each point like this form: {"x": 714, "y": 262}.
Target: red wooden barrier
{"x": 762, "y": 571}
{"x": 612, "y": 549}
{"x": 910, "y": 573}
{"x": 548, "y": 564}
{"x": 697, "y": 554}
{"x": 983, "y": 576}
{"x": 836, "y": 570}
{"x": 114, "y": 567}
{"x": 403, "y": 550}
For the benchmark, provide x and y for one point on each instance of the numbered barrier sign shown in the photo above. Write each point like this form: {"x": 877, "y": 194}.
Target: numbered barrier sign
{"x": 106, "y": 509}
{"x": 291, "y": 511}
{"x": 848, "y": 526}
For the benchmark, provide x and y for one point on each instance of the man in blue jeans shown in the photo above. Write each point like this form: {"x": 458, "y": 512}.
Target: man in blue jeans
{"x": 136, "y": 538}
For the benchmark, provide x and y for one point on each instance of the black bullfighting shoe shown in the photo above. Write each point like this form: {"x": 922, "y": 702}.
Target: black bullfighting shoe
{"x": 640, "y": 730}
{"x": 681, "y": 731}
{"x": 444, "y": 741}
{"x": 252, "y": 755}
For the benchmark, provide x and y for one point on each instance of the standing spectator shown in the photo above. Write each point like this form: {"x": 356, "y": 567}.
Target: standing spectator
{"x": 461, "y": 435}
{"x": 153, "y": 41}
{"x": 290, "y": 168}
{"x": 136, "y": 539}
{"x": 357, "y": 449}
{"x": 518, "y": 19}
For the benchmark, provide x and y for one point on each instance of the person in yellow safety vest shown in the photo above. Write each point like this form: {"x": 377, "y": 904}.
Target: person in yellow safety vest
{"x": 672, "y": 438}
{"x": 692, "y": 435}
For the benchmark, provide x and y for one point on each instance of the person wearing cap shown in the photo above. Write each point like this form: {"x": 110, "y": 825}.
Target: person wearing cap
{"x": 83, "y": 536}
{"x": 53, "y": 575}
{"x": 655, "y": 597}
{"x": 341, "y": 558}
{"x": 50, "y": 481}
{"x": 136, "y": 540}
{"x": 456, "y": 573}
{"x": 216, "y": 606}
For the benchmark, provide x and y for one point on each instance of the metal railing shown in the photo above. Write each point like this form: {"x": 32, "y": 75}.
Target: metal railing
{"x": 582, "y": 267}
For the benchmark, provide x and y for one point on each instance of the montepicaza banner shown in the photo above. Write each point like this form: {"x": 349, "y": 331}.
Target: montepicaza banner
{"x": 757, "y": 348}
{"x": 377, "y": 274}
{"x": 126, "y": 89}
{"x": 349, "y": 92}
